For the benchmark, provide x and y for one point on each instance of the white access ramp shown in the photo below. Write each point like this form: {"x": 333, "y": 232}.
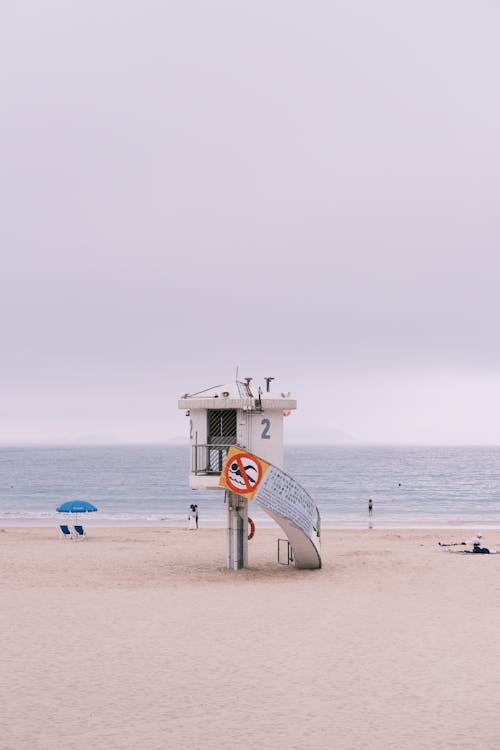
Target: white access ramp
{"x": 306, "y": 554}
{"x": 291, "y": 506}
{"x": 284, "y": 499}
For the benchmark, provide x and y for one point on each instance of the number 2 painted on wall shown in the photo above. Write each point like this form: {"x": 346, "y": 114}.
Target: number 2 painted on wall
{"x": 265, "y": 432}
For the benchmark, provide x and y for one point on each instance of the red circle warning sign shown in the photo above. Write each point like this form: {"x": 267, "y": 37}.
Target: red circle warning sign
{"x": 243, "y": 473}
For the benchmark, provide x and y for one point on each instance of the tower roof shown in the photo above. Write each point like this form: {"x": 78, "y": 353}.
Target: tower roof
{"x": 236, "y": 395}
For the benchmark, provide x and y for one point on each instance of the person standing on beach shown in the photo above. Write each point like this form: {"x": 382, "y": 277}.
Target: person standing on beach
{"x": 193, "y": 516}
{"x": 370, "y": 507}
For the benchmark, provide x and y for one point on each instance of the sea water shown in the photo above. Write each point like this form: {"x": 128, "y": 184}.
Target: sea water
{"x": 148, "y": 485}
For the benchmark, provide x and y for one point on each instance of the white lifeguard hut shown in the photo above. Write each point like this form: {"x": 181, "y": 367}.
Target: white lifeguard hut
{"x": 235, "y": 414}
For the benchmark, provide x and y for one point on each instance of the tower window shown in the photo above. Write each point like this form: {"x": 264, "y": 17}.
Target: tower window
{"x": 221, "y": 426}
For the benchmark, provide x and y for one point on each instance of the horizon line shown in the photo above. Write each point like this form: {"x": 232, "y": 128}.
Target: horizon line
{"x": 305, "y": 444}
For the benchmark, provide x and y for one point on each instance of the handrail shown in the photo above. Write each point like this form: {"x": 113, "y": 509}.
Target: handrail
{"x": 208, "y": 458}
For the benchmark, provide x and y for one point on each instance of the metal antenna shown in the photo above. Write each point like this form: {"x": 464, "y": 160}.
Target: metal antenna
{"x": 268, "y": 380}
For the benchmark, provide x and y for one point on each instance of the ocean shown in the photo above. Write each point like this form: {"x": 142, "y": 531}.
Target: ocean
{"x": 411, "y": 487}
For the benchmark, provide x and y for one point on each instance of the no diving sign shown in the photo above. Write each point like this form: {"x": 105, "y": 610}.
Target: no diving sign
{"x": 242, "y": 472}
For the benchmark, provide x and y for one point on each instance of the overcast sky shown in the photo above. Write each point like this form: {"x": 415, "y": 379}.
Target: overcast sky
{"x": 308, "y": 190}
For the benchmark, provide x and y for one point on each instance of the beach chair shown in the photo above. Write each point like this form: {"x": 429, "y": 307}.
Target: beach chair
{"x": 66, "y": 532}
{"x": 80, "y": 532}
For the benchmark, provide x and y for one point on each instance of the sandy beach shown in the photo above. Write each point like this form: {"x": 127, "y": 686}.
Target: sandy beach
{"x": 141, "y": 638}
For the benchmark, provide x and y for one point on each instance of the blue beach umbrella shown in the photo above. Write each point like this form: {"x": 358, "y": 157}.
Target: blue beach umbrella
{"x": 76, "y": 507}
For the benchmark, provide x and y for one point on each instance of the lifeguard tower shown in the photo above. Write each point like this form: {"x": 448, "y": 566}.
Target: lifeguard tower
{"x": 250, "y": 419}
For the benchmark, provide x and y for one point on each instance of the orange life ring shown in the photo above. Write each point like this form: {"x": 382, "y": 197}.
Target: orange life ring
{"x": 286, "y": 413}
{"x": 252, "y": 528}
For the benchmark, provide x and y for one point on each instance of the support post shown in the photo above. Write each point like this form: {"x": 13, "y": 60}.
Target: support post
{"x": 237, "y": 531}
